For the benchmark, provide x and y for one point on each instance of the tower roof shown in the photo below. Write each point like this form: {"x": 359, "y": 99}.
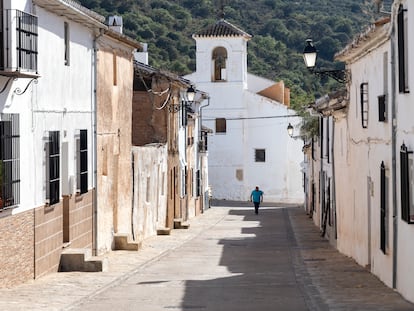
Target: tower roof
{"x": 222, "y": 28}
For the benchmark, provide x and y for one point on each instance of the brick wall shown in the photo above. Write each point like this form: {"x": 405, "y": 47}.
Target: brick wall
{"x": 81, "y": 221}
{"x": 149, "y": 125}
{"x": 49, "y": 238}
{"x": 16, "y": 245}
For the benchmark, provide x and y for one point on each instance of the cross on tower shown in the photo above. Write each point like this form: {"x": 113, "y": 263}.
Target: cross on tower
{"x": 221, "y": 9}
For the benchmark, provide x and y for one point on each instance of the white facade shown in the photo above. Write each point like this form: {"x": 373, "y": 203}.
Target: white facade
{"x": 404, "y": 109}
{"x": 373, "y": 152}
{"x": 254, "y": 125}
{"x": 60, "y": 100}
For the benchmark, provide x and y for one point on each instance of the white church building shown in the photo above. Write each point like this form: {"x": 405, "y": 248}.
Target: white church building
{"x": 249, "y": 116}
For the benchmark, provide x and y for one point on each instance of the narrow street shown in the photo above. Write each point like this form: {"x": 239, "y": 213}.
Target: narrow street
{"x": 250, "y": 262}
{"x": 229, "y": 259}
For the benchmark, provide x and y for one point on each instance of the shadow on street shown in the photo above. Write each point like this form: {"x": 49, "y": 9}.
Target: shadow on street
{"x": 258, "y": 260}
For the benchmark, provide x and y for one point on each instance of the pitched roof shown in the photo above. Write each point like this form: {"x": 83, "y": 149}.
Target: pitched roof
{"x": 222, "y": 28}
{"x": 375, "y": 35}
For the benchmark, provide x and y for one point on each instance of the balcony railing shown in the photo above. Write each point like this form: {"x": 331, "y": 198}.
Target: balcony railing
{"x": 19, "y": 48}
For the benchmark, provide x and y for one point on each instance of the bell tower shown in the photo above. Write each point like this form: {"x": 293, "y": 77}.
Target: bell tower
{"x": 221, "y": 55}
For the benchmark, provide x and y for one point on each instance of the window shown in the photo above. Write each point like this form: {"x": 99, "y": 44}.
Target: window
{"x": 327, "y": 141}
{"x": 115, "y": 69}
{"x": 9, "y": 160}
{"x": 148, "y": 188}
{"x": 406, "y": 167}
{"x": 382, "y": 109}
{"x": 364, "y": 104}
{"x": 219, "y": 63}
{"x": 221, "y": 125}
{"x": 82, "y": 162}
{"x": 67, "y": 43}
{"x": 402, "y": 50}
{"x": 260, "y": 155}
{"x": 321, "y": 135}
{"x": 26, "y": 33}
{"x": 53, "y": 168}
{"x": 383, "y": 208}
{"x": 198, "y": 183}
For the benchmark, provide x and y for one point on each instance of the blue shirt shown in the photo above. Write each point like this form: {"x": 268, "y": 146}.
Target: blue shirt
{"x": 256, "y": 194}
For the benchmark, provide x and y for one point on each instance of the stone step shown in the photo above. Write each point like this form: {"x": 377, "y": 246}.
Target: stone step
{"x": 124, "y": 242}
{"x": 180, "y": 224}
{"x": 164, "y": 231}
{"x": 81, "y": 259}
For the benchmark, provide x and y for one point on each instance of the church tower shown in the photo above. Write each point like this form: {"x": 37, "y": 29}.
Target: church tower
{"x": 221, "y": 54}
{"x": 247, "y": 147}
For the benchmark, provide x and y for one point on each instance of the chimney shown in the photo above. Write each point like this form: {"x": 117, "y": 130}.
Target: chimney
{"x": 142, "y": 57}
{"x": 115, "y": 23}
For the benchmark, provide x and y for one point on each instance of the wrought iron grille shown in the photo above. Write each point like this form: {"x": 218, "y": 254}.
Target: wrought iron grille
{"x": 9, "y": 160}
{"x": 20, "y": 35}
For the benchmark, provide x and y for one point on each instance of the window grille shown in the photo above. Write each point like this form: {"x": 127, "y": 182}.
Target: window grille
{"x": 402, "y": 50}
{"x": 383, "y": 205}
{"x": 9, "y": 160}
{"x": 364, "y": 104}
{"x": 54, "y": 167}
{"x": 321, "y": 129}
{"x": 21, "y": 28}
{"x": 328, "y": 154}
{"x": 382, "y": 110}
{"x": 83, "y": 158}
{"x": 407, "y": 212}
{"x": 198, "y": 183}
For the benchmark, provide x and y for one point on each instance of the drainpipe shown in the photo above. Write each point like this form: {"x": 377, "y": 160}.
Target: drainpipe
{"x": 95, "y": 147}
{"x": 394, "y": 156}
{"x": 199, "y": 139}
{"x": 334, "y": 179}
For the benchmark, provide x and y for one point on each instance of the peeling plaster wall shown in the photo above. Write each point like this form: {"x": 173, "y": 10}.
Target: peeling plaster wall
{"x": 150, "y": 190}
{"x": 114, "y": 128}
{"x": 358, "y": 155}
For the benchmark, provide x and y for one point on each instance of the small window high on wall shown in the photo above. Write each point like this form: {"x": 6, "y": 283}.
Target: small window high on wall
{"x": 402, "y": 50}
{"x": 221, "y": 126}
{"x": 219, "y": 63}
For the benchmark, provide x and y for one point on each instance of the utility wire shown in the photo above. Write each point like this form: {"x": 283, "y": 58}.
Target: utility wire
{"x": 253, "y": 118}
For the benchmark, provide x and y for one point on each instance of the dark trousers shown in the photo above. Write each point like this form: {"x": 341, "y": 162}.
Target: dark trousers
{"x": 256, "y": 207}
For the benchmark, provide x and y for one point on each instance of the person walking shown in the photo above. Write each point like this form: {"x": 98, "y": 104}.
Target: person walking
{"x": 256, "y": 197}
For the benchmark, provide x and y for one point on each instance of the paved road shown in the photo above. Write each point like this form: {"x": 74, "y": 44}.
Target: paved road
{"x": 229, "y": 259}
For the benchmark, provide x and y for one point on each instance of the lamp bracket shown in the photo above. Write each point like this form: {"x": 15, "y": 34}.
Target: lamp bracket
{"x": 174, "y": 108}
{"x": 341, "y": 76}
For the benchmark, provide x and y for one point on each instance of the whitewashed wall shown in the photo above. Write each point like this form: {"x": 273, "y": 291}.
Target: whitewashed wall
{"x": 405, "y": 134}
{"x": 358, "y": 155}
{"x": 60, "y": 101}
{"x": 232, "y": 171}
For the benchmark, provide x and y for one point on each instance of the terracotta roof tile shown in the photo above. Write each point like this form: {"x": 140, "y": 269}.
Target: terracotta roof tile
{"x": 222, "y": 29}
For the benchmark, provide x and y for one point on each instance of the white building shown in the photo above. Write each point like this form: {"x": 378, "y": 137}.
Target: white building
{"x": 249, "y": 116}
{"x": 374, "y": 146}
{"x": 47, "y": 154}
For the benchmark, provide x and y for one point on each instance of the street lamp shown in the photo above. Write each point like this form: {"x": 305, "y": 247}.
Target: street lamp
{"x": 309, "y": 56}
{"x": 191, "y": 94}
{"x": 290, "y": 130}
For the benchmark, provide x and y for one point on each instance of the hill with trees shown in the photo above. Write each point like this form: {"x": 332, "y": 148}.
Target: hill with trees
{"x": 279, "y": 29}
